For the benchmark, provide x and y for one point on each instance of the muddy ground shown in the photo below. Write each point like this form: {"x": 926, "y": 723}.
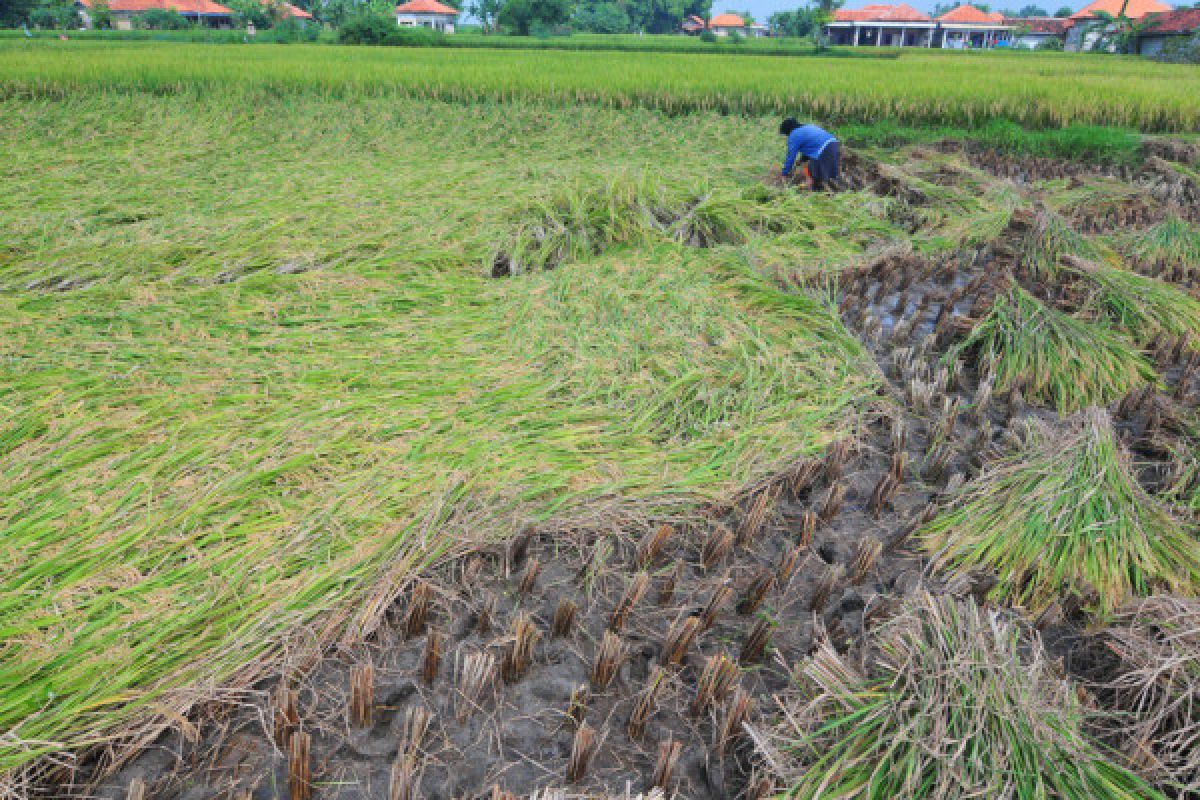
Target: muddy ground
{"x": 492, "y": 675}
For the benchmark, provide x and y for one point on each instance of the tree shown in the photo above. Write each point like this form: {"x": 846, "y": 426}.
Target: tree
{"x": 521, "y": 16}
{"x": 59, "y": 14}
{"x": 822, "y": 16}
{"x": 1180, "y": 50}
{"x": 1033, "y": 11}
{"x": 161, "y": 19}
{"x": 664, "y": 16}
{"x": 101, "y": 15}
{"x": 485, "y": 11}
{"x": 602, "y": 17}
{"x": 14, "y": 12}
{"x": 1064, "y": 12}
{"x": 800, "y": 22}
{"x": 263, "y": 15}
{"x": 1117, "y": 32}
{"x": 747, "y": 16}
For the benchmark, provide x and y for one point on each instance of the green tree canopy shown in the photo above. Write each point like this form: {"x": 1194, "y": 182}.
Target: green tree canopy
{"x": 14, "y": 12}
{"x": 522, "y": 16}
{"x": 801, "y": 22}
{"x": 602, "y": 17}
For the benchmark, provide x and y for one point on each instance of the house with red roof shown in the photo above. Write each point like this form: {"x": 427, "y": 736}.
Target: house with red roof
{"x": 289, "y": 11}
{"x": 1030, "y": 33}
{"x": 426, "y": 14}
{"x": 1087, "y": 26}
{"x": 966, "y": 27}
{"x": 201, "y": 12}
{"x": 880, "y": 25}
{"x": 902, "y": 25}
{"x": 725, "y": 24}
{"x": 1163, "y": 26}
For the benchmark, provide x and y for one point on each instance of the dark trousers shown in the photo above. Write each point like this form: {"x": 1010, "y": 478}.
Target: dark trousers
{"x": 825, "y": 168}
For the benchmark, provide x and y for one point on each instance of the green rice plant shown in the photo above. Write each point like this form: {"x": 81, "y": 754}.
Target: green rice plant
{"x": 1052, "y": 357}
{"x": 1063, "y": 515}
{"x": 919, "y": 88}
{"x": 1144, "y": 307}
{"x": 953, "y": 704}
{"x": 1172, "y": 244}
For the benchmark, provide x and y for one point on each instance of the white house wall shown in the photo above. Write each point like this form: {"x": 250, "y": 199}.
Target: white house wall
{"x": 439, "y": 22}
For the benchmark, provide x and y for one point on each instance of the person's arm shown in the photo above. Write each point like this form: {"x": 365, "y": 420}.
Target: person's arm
{"x": 792, "y": 151}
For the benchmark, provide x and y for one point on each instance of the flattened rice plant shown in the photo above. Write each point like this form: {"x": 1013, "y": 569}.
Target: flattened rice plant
{"x": 584, "y": 220}
{"x": 1063, "y": 515}
{"x": 208, "y": 453}
{"x": 1052, "y": 357}
{"x": 953, "y": 705}
{"x": 576, "y": 223}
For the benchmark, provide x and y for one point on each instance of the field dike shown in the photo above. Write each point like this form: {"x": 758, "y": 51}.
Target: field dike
{"x": 665, "y": 653}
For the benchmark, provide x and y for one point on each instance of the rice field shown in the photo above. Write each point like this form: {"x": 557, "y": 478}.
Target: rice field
{"x": 484, "y": 423}
{"x": 1043, "y": 90}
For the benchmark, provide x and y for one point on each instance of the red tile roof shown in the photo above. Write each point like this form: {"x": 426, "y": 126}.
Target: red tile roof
{"x": 1136, "y": 9}
{"x": 290, "y": 10}
{"x": 1183, "y": 20}
{"x": 880, "y": 13}
{"x": 970, "y": 15}
{"x": 727, "y": 21}
{"x": 202, "y": 7}
{"x": 425, "y": 7}
{"x": 1055, "y": 26}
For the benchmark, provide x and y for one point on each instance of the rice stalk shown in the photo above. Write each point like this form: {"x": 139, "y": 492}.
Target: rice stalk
{"x": 1063, "y": 515}
{"x": 1051, "y": 357}
{"x": 1157, "y": 686}
{"x": 952, "y": 704}
{"x": 1144, "y": 307}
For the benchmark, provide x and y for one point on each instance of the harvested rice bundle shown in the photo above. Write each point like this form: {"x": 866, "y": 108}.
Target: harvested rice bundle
{"x": 1145, "y": 307}
{"x": 1158, "y": 644}
{"x": 952, "y": 704}
{"x": 1052, "y": 357}
{"x": 1063, "y": 515}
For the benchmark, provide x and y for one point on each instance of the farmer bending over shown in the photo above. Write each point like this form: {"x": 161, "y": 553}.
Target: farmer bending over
{"x": 814, "y": 145}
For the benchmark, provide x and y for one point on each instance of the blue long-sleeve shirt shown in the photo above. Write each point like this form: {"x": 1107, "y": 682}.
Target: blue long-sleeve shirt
{"x": 807, "y": 140}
